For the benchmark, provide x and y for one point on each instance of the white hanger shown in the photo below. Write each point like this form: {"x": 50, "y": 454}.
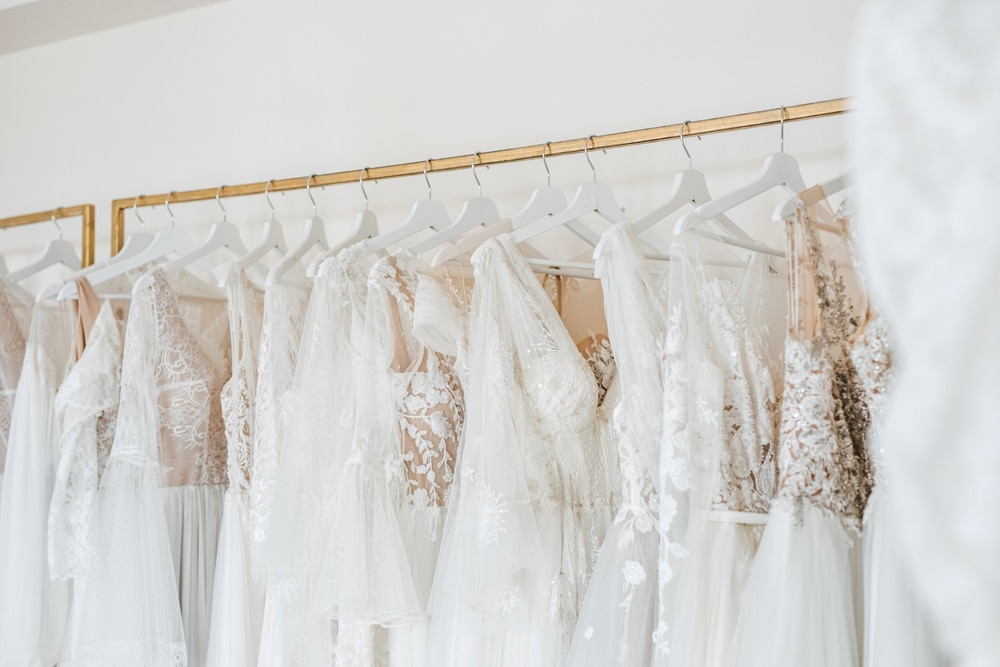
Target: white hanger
{"x": 690, "y": 188}
{"x": 222, "y": 235}
{"x": 315, "y": 237}
{"x": 365, "y": 224}
{"x": 425, "y": 214}
{"x": 272, "y": 239}
{"x": 780, "y": 170}
{"x": 57, "y": 251}
{"x": 591, "y": 197}
{"x": 470, "y": 242}
{"x": 548, "y": 201}
{"x": 477, "y": 212}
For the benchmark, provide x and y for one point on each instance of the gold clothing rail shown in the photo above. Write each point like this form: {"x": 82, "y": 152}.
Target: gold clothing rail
{"x": 567, "y": 147}
{"x": 83, "y": 211}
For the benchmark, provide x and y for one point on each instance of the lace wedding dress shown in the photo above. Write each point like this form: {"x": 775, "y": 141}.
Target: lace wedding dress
{"x": 926, "y": 172}
{"x": 619, "y": 610}
{"x": 391, "y": 506}
{"x": 33, "y": 606}
{"x": 512, "y": 567}
{"x": 802, "y": 603}
{"x": 721, "y": 426}
{"x": 314, "y": 452}
{"x": 285, "y": 304}
{"x": 237, "y": 598}
{"x": 148, "y": 593}
{"x": 15, "y": 313}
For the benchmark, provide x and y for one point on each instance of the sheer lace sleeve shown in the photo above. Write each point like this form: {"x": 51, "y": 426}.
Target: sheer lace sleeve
{"x": 87, "y": 407}
{"x": 366, "y": 574}
{"x": 131, "y": 615}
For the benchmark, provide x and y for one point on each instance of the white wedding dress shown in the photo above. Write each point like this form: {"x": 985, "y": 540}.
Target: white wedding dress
{"x": 238, "y": 598}
{"x": 15, "y": 315}
{"x": 148, "y": 595}
{"x": 385, "y": 537}
{"x": 721, "y": 424}
{"x": 802, "y": 601}
{"x": 33, "y": 606}
{"x": 523, "y": 518}
{"x": 619, "y": 610}
{"x": 316, "y": 445}
{"x": 924, "y": 160}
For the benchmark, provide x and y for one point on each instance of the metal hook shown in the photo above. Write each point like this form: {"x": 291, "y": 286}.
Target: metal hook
{"x": 684, "y": 146}
{"x": 267, "y": 198}
{"x": 361, "y": 182}
{"x": 135, "y": 209}
{"x": 173, "y": 221}
{"x": 782, "y": 129}
{"x": 310, "y": 194}
{"x": 427, "y": 163}
{"x": 545, "y": 163}
{"x": 55, "y": 213}
{"x": 219, "y": 202}
{"x": 475, "y": 175}
{"x": 586, "y": 154}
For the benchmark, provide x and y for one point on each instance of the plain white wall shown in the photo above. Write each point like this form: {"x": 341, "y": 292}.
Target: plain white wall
{"x": 247, "y": 90}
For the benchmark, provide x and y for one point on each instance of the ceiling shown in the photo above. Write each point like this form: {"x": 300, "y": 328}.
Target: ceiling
{"x": 25, "y": 24}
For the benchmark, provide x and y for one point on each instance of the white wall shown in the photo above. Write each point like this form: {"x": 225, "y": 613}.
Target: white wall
{"x": 247, "y": 90}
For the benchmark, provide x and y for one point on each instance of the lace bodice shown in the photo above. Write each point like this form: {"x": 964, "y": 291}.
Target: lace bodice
{"x": 178, "y": 344}
{"x": 12, "y": 343}
{"x": 238, "y": 393}
{"x": 823, "y": 454}
{"x": 86, "y": 410}
{"x": 747, "y": 467}
{"x": 430, "y": 408}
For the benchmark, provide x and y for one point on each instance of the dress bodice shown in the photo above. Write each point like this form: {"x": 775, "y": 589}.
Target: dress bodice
{"x": 823, "y": 453}
{"x": 13, "y": 329}
{"x": 188, "y": 379}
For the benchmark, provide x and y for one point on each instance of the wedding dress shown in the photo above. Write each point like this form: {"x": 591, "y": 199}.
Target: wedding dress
{"x": 619, "y": 610}
{"x": 33, "y": 606}
{"x": 394, "y": 491}
{"x": 14, "y": 316}
{"x": 926, "y": 172}
{"x": 237, "y": 598}
{"x": 316, "y": 446}
{"x": 721, "y": 420}
{"x": 148, "y": 595}
{"x": 514, "y": 560}
{"x": 802, "y": 603}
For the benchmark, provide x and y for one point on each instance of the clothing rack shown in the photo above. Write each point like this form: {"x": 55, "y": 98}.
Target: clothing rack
{"x": 83, "y": 211}
{"x": 741, "y": 121}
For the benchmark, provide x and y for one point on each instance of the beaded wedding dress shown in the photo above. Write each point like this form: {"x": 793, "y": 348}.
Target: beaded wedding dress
{"x": 524, "y": 518}
{"x": 148, "y": 593}
{"x": 15, "y": 314}
{"x": 802, "y": 601}
{"x": 720, "y": 427}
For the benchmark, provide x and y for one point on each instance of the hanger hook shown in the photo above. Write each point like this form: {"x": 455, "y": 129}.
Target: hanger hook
{"x": 586, "y": 154}
{"x": 173, "y": 221}
{"x": 475, "y": 175}
{"x": 782, "y": 129}
{"x": 267, "y": 198}
{"x": 684, "y": 145}
{"x": 545, "y": 163}
{"x": 361, "y": 182}
{"x": 309, "y": 193}
{"x": 135, "y": 209}
{"x": 218, "y": 201}
{"x": 427, "y": 163}
{"x": 55, "y": 222}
